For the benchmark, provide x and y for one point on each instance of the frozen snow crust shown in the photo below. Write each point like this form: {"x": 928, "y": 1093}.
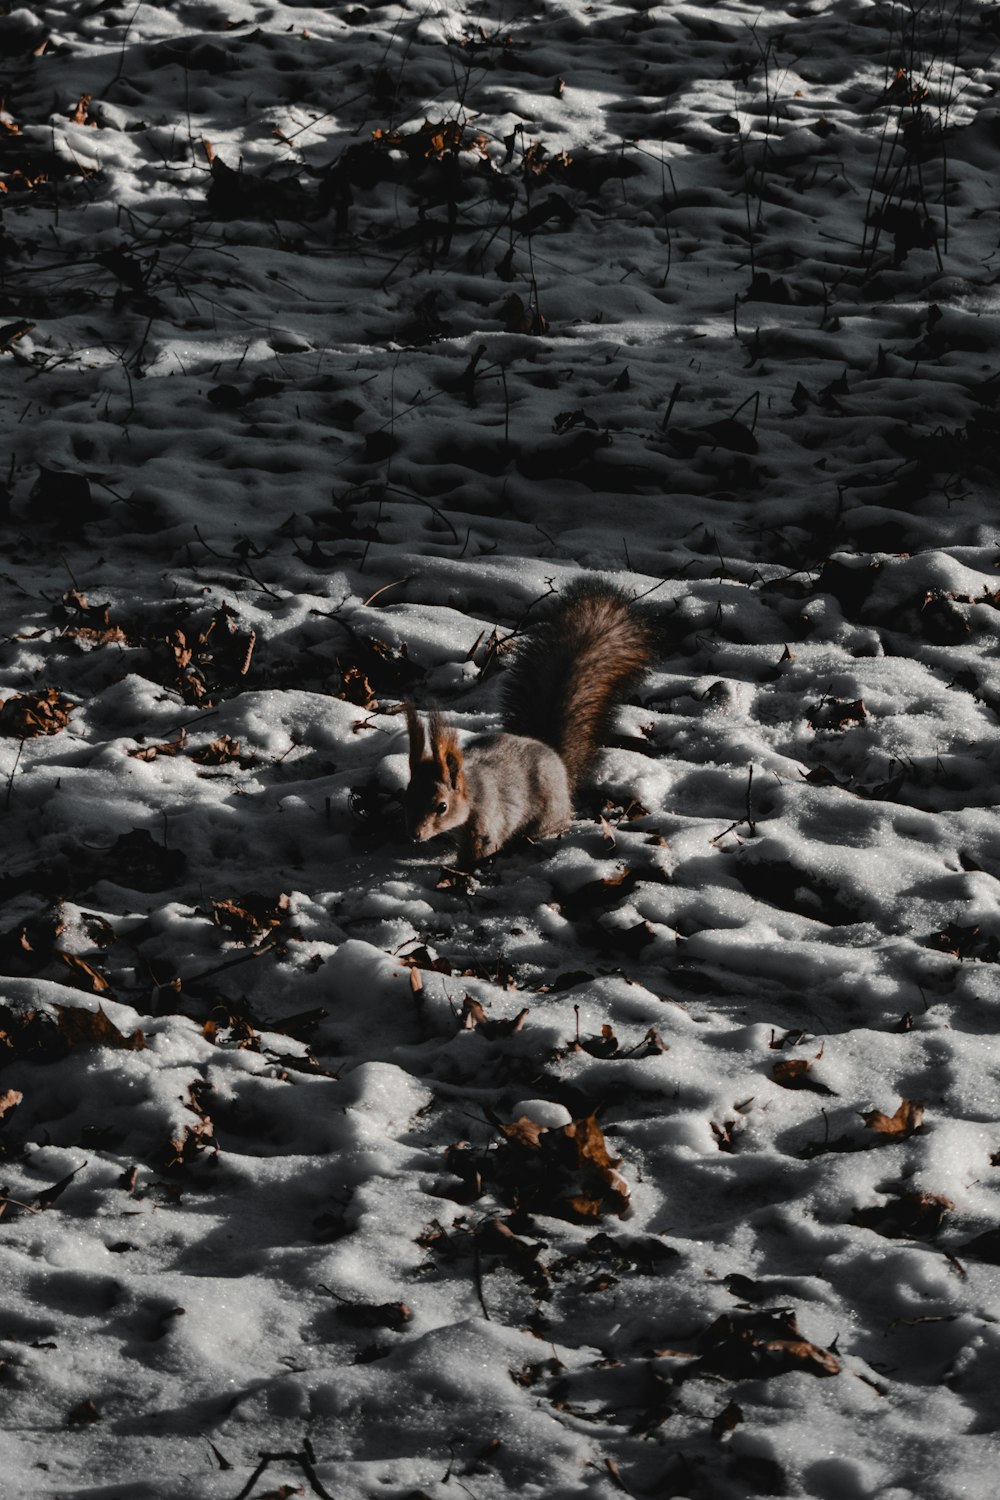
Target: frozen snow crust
{"x": 665, "y": 1159}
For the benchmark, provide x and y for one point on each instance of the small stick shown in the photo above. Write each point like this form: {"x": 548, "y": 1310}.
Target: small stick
{"x": 10, "y": 778}
{"x": 477, "y": 1276}
{"x": 394, "y": 585}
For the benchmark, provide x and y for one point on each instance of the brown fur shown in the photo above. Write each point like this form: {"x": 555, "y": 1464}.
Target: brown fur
{"x": 574, "y": 670}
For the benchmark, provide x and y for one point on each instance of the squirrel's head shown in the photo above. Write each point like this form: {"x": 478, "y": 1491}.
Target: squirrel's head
{"x": 436, "y": 798}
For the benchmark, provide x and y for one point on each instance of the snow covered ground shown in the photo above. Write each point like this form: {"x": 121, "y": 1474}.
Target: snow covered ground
{"x": 664, "y": 1159}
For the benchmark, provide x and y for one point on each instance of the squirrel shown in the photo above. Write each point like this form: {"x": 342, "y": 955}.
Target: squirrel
{"x": 567, "y": 678}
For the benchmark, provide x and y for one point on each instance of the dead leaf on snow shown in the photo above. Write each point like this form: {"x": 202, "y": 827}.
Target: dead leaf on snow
{"x": 605, "y": 1045}
{"x": 796, "y": 1073}
{"x": 726, "y": 1134}
{"x": 82, "y": 1413}
{"x": 8, "y": 1101}
{"x": 152, "y": 752}
{"x": 757, "y": 1345}
{"x": 184, "y": 1148}
{"x": 250, "y": 915}
{"x": 834, "y": 714}
{"x": 474, "y": 1018}
{"x": 394, "y": 1315}
{"x": 910, "y": 1215}
{"x": 727, "y": 1419}
{"x": 425, "y": 958}
{"x": 565, "y": 1171}
{"x": 93, "y": 1028}
{"x": 524, "y": 1131}
{"x": 82, "y": 975}
{"x": 48, "y": 1196}
{"x": 908, "y": 1118}
{"x": 219, "y": 753}
{"x": 27, "y": 716}
{"x": 598, "y": 895}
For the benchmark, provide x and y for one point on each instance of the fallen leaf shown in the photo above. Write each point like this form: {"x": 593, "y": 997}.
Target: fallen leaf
{"x": 8, "y": 1101}
{"x": 524, "y": 1131}
{"x": 151, "y": 752}
{"x": 82, "y": 975}
{"x": 219, "y": 753}
{"x": 909, "y": 1215}
{"x": 28, "y": 716}
{"x": 833, "y": 713}
{"x": 727, "y": 1419}
{"x": 250, "y": 915}
{"x": 393, "y": 1315}
{"x": 795, "y": 1073}
{"x": 598, "y": 895}
{"x": 907, "y": 1119}
{"x": 79, "y": 1027}
{"x": 757, "y": 1345}
{"x": 48, "y": 1196}
{"x": 82, "y": 1413}
{"x": 565, "y": 1171}
{"x": 474, "y": 1018}
{"x": 605, "y": 1045}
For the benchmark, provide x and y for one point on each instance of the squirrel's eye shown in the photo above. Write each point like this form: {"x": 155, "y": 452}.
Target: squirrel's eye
{"x": 442, "y": 807}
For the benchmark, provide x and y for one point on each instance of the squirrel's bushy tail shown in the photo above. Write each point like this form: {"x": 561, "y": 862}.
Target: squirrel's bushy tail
{"x": 574, "y": 669}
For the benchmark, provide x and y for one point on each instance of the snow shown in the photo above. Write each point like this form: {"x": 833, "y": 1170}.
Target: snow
{"x": 302, "y": 421}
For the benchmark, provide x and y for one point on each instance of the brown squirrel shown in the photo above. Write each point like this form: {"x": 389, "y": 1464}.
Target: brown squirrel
{"x": 558, "y": 698}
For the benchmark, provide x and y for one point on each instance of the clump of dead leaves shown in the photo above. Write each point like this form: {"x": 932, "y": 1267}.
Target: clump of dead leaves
{"x": 565, "y": 1171}
{"x": 252, "y": 916}
{"x": 26, "y": 716}
{"x": 48, "y": 1035}
{"x": 753, "y": 1346}
{"x": 47, "y": 941}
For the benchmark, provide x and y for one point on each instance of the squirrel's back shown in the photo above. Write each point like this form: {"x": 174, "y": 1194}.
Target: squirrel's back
{"x": 574, "y": 669}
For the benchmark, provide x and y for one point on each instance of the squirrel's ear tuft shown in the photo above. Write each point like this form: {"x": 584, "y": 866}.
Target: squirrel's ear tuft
{"x": 445, "y": 750}
{"x": 418, "y": 740}
{"x": 453, "y": 762}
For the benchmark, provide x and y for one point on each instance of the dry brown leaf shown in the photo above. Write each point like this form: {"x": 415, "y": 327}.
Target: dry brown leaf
{"x": 800, "y": 1354}
{"x": 525, "y": 1131}
{"x": 82, "y": 1413}
{"x": 908, "y": 1118}
{"x": 11, "y": 332}
{"x": 93, "y": 1028}
{"x": 48, "y": 1196}
{"x": 424, "y": 958}
{"x": 743, "y": 1346}
{"x": 605, "y": 1045}
{"x": 8, "y": 1101}
{"x": 724, "y": 1421}
{"x": 219, "y": 753}
{"x": 151, "y": 752}
{"x": 566, "y": 1170}
{"x": 393, "y": 1315}
{"x": 250, "y": 915}
{"x": 832, "y": 713}
{"x": 87, "y": 635}
{"x": 82, "y": 975}
{"x": 796, "y": 1073}
{"x": 910, "y": 1215}
{"x": 474, "y": 1018}
{"x": 184, "y": 1148}
{"x": 27, "y": 716}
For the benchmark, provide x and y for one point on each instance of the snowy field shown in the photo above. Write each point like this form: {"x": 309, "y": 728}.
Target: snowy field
{"x": 663, "y": 1159}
